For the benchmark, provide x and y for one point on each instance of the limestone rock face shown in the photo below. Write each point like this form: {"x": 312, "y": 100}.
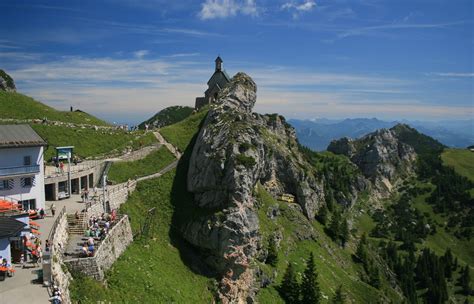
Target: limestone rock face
{"x": 235, "y": 149}
{"x": 380, "y": 155}
{"x": 6, "y": 82}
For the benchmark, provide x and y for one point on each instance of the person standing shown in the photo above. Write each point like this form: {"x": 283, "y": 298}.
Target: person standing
{"x": 53, "y": 209}
{"x": 22, "y": 260}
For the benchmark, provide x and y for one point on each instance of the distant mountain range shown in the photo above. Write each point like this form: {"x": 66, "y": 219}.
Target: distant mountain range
{"x": 317, "y": 134}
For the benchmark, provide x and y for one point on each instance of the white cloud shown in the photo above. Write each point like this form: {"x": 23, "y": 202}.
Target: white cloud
{"x": 305, "y": 6}
{"x": 456, "y": 75}
{"x": 370, "y": 30}
{"x": 133, "y": 89}
{"x": 182, "y": 55}
{"x": 219, "y": 9}
{"x": 141, "y": 53}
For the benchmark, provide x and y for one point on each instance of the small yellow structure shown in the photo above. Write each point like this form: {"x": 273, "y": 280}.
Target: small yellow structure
{"x": 286, "y": 197}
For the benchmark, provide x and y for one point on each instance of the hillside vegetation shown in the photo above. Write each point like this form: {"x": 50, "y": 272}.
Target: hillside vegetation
{"x": 333, "y": 263}
{"x": 91, "y": 143}
{"x": 19, "y": 106}
{"x": 167, "y": 116}
{"x": 159, "y": 267}
{"x": 121, "y": 171}
{"x": 462, "y": 160}
{"x": 151, "y": 270}
{"x": 181, "y": 133}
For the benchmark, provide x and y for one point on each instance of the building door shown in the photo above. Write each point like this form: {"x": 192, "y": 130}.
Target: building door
{"x": 75, "y": 186}
{"x": 49, "y": 192}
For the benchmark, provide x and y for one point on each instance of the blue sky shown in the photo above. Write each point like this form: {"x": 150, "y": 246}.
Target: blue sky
{"x": 124, "y": 60}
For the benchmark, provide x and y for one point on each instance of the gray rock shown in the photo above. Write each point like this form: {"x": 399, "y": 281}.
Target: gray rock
{"x": 381, "y": 157}
{"x": 234, "y": 150}
{"x": 6, "y": 82}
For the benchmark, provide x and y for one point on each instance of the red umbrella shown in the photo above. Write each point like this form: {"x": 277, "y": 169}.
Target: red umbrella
{"x": 34, "y": 224}
{"x": 7, "y": 206}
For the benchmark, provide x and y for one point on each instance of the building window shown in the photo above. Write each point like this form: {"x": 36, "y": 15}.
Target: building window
{"x": 29, "y": 204}
{"x": 6, "y": 184}
{"x": 27, "y": 182}
{"x": 27, "y": 161}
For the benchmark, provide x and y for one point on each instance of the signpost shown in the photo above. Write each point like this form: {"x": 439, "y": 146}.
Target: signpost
{"x": 66, "y": 153}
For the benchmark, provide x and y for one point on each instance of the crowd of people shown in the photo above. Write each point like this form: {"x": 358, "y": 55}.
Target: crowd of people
{"x": 97, "y": 230}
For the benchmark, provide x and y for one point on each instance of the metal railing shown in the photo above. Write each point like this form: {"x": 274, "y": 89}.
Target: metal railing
{"x": 19, "y": 170}
{"x": 120, "y": 187}
{"x": 74, "y": 169}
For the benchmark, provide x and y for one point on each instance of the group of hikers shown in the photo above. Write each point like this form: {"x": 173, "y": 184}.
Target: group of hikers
{"x": 97, "y": 230}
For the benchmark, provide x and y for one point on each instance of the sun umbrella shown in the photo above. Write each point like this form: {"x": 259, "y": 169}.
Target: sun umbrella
{"x": 34, "y": 224}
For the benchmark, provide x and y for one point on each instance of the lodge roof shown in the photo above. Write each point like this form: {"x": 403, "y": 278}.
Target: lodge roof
{"x": 19, "y": 136}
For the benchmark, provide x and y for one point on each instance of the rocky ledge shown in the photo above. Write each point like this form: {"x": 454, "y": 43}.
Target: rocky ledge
{"x": 6, "y": 82}
{"x": 234, "y": 150}
{"x": 381, "y": 156}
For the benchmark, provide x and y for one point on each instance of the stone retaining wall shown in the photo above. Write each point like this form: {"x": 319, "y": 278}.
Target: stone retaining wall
{"x": 61, "y": 278}
{"x": 140, "y": 154}
{"x": 119, "y": 237}
{"x": 119, "y": 195}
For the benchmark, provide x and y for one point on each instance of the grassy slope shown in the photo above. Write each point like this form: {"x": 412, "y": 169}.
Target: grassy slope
{"x": 462, "y": 160}
{"x": 443, "y": 240}
{"x": 333, "y": 264}
{"x": 152, "y": 163}
{"x": 154, "y": 269}
{"x": 181, "y": 133}
{"x": 89, "y": 142}
{"x": 168, "y": 116}
{"x": 19, "y": 106}
{"x": 151, "y": 270}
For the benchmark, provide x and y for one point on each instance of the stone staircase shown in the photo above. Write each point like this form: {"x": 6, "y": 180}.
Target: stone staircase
{"x": 76, "y": 226}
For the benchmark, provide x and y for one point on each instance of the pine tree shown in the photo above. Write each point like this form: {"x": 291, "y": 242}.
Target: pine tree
{"x": 465, "y": 281}
{"x": 329, "y": 198}
{"x": 309, "y": 286}
{"x": 361, "y": 251}
{"x": 289, "y": 288}
{"x": 339, "y": 297}
{"x": 448, "y": 263}
{"x": 272, "y": 257}
{"x": 344, "y": 232}
{"x": 406, "y": 278}
{"x": 322, "y": 215}
{"x": 374, "y": 276}
{"x": 334, "y": 225}
{"x": 333, "y": 229}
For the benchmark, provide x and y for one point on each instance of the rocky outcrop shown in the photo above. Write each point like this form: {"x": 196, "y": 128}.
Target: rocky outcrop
{"x": 234, "y": 150}
{"x": 6, "y": 82}
{"x": 381, "y": 156}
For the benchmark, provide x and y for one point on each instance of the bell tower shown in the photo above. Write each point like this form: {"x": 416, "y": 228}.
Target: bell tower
{"x": 218, "y": 64}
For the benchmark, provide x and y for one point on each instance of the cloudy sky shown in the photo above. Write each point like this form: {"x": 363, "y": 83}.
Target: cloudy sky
{"x": 123, "y": 60}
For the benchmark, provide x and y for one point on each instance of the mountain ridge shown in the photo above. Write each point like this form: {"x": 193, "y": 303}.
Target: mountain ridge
{"x": 317, "y": 134}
